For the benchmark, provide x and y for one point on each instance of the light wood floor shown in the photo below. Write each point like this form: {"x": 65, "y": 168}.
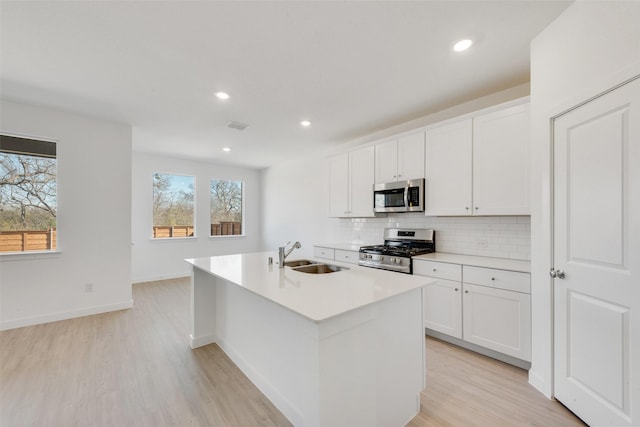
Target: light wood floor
{"x": 135, "y": 368}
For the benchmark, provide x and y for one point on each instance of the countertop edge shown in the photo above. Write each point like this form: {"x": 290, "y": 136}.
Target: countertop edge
{"x": 521, "y": 266}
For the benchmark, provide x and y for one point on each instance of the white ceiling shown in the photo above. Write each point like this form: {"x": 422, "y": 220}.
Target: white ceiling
{"x": 350, "y": 67}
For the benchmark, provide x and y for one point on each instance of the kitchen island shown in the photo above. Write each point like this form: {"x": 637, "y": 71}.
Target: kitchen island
{"x": 337, "y": 349}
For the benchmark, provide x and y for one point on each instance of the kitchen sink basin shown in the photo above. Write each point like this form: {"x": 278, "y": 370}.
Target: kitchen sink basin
{"x": 298, "y": 263}
{"x": 318, "y": 268}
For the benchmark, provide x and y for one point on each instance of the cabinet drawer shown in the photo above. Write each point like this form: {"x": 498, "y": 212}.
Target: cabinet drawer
{"x": 499, "y": 279}
{"x": 346, "y": 256}
{"x": 320, "y": 252}
{"x": 441, "y": 270}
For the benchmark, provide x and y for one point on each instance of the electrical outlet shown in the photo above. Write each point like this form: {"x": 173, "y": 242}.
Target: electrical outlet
{"x": 482, "y": 243}
{"x": 88, "y": 287}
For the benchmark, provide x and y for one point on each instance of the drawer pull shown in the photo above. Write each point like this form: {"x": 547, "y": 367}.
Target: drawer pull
{"x": 493, "y": 278}
{"x": 434, "y": 269}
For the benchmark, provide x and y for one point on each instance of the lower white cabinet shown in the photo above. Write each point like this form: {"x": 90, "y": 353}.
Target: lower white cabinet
{"x": 487, "y": 307}
{"x": 497, "y": 319}
{"x": 323, "y": 252}
{"x": 334, "y": 254}
{"x": 443, "y": 307}
{"x": 346, "y": 256}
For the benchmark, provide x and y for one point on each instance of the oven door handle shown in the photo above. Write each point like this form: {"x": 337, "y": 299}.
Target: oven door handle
{"x": 406, "y": 197}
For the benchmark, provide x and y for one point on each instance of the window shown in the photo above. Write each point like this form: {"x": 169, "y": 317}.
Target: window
{"x": 173, "y": 202}
{"x": 27, "y": 194}
{"x": 226, "y": 207}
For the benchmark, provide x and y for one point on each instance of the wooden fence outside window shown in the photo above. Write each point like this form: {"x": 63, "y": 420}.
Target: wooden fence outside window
{"x": 28, "y": 240}
{"x": 221, "y": 229}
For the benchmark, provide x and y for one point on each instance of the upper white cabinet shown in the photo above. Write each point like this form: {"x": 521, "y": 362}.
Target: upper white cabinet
{"x": 479, "y": 165}
{"x": 400, "y": 159}
{"x": 351, "y": 184}
{"x": 448, "y": 181}
{"x": 501, "y": 162}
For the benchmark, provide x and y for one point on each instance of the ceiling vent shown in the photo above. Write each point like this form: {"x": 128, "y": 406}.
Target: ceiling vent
{"x": 237, "y": 125}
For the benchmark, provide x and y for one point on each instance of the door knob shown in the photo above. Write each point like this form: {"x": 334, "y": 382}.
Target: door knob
{"x": 557, "y": 274}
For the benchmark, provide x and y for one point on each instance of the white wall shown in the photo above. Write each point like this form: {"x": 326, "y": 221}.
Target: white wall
{"x": 94, "y": 222}
{"x": 154, "y": 259}
{"x": 591, "y": 47}
{"x": 296, "y": 193}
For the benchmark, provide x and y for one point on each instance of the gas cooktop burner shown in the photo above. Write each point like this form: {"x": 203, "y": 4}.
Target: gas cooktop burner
{"x": 395, "y": 250}
{"x": 398, "y": 248}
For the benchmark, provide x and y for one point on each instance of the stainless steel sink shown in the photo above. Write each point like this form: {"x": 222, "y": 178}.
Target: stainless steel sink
{"x": 298, "y": 263}
{"x": 312, "y": 267}
{"x": 318, "y": 268}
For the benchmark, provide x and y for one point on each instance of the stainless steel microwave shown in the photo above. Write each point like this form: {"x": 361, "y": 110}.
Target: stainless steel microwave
{"x": 401, "y": 196}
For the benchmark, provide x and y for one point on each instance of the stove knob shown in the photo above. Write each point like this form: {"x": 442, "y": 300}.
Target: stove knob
{"x": 381, "y": 258}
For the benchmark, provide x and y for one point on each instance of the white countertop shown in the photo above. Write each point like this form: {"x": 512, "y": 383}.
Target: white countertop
{"x": 478, "y": 261}
{"x": 317, "y": 297}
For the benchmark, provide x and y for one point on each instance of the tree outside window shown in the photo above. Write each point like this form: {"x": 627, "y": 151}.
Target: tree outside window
{"x": 28, "y": 207}
{"x": 226, "y": 207}
{"x": 173, "y": 206}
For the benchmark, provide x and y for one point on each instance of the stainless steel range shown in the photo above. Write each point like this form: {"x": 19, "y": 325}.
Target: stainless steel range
{"x": 400, "y": 244}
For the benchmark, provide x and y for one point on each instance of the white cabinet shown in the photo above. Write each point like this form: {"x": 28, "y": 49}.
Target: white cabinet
{"x": 479, "y": 165}
{"x": 400, "y": 159}
{"x": 497, "y": 319}
{"x": 448, "y": 169}
{"x": 351, "y": 184}
{"x": 346, "y": 256}
{"x": 443, "y": 307}
{"x": 334, "y": 254}
{"x": 487, "y": 307}
{"x": 323, "y": 252}
{"x": 442, "y": 299}
{"x": 501, "y": 162}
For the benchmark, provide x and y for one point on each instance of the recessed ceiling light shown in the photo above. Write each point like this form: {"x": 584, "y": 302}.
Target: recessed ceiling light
{"x": 222, "y": 95}
{"x": 462, "y": 45}
{"x": 305, "y": 123}
{"x": 226, "y": 149}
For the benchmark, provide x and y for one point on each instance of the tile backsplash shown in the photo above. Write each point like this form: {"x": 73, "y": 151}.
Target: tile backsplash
{"x": 501, "y": 236}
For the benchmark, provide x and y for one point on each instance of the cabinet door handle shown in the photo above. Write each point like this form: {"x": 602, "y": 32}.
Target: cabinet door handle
{"x": 455, "y": 289}
{"x": 466, "y": 207}
{"x": 477, "y": 208}
{"x": 434, "y": 269}
{"x": 493, "y": 278}
{"x": 466, "y": 292}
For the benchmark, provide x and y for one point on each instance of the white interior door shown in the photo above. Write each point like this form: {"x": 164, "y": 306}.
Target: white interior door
{"x": 597, "y": 258}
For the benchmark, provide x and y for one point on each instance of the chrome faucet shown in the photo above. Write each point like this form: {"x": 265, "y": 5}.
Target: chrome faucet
{"x": 282, "y": 255}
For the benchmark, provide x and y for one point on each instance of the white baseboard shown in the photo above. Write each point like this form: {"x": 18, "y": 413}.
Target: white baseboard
{"x": 54, "y": 317}
{"x": 201, "y": 340}
{"x": 538, "y": 382}
{"x": 160, "y": 277}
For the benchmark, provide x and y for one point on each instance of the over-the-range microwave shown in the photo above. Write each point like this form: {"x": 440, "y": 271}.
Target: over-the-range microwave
{"x": 401, "y": 196}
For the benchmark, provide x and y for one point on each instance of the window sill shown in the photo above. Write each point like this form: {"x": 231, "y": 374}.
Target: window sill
{"x": 172, "y": 239}
{"x": 226, "y": 236}
{"x": 28, "y": 255}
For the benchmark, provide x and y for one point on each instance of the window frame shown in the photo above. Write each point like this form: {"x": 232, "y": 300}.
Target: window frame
{"x": 47, "y": 253}
{"x": 242, "y": 223}
{"x": 194, "y": 213}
